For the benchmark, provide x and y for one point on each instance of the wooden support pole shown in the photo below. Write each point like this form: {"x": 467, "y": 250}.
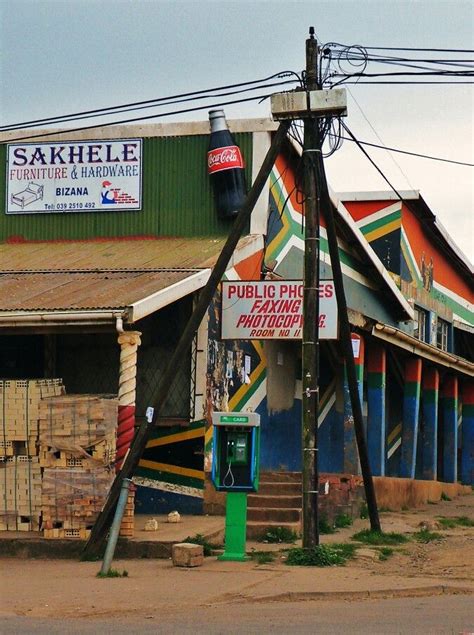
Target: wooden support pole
{"x": 99, "y": 532}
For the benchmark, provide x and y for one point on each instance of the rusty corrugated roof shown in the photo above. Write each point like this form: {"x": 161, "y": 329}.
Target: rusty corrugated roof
{"x": 153, "y": 253}
{"x": 99, "y": 275}
{"x": 65, "y": 291}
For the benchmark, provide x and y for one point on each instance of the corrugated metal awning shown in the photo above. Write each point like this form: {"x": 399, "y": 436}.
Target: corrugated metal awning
{"x": 98, "y": 281}
{"x": 409, "y": 343}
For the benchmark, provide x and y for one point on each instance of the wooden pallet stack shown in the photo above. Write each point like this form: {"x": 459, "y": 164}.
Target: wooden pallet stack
{"x": 77, "y": 451}
{"x": 20, "y": 473}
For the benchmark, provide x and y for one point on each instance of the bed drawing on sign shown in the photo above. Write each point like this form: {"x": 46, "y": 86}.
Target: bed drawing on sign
{"x": 33, "y": 192}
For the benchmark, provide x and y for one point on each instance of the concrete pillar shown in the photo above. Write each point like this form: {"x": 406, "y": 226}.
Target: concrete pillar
{"x": 376, "y": 387}
{"x": 129, "y": 342}
{"x": 449, "y": 397}
{"x": 351, "y": 458}
{"x": 467, "y": 432}
{"x": 430, "y": 388}
{"x": 411, "y": 413}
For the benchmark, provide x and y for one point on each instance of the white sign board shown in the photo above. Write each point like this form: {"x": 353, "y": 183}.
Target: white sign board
{"x": 270, "y": 309}
{"x": 74, "y": 176}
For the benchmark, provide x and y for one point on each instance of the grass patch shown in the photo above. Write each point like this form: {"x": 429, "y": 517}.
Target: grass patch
{"x": 424, "y": 535}
{"x": 465, "y": 521}
{"x": 445, "y": 497}
{"x": 325, "y": 527}
{"x": 321, "y": 556}
{"x": 385, "y": 553}
{"x": 262, "y": 557}
{"x": 207, "y": 547}
{"x": 279, "y": 534}
{"x": 385, "y": 509}
{"x": 113, "y": 573}
{"x": 364, "y": 511}
{"x": 370, "y": 537}
{"x": 343, "y": 520}
{"x": 456, "y": 521}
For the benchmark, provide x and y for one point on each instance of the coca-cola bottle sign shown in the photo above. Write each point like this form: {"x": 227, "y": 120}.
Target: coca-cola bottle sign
{"x": 224, "y": 159}
{"x": 225, "y": 167}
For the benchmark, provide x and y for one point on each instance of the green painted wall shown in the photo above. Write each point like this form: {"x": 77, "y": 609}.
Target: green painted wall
{"x": 176, "y": 195}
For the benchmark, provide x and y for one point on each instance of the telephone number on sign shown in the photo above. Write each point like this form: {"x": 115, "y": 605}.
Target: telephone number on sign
{"x": 65, "y": 206}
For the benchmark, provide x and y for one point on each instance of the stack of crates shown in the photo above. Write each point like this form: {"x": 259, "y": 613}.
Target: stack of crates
{"x": 77, "y": 441}
{"x": 20, "y": 473}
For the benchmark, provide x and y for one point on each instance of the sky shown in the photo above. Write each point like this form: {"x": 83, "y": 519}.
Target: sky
{"x": 60, "y": 57}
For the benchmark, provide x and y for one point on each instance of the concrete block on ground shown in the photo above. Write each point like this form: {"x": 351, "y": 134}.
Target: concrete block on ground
{"x": 185, "y": 554}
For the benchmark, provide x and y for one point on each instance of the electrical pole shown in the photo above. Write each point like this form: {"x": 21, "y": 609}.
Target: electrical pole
{"x": 310, "y": 346}
{"x": 317, "y": 199}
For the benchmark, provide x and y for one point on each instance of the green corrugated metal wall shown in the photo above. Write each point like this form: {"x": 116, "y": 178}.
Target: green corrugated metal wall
{"x": 176, "y": 198}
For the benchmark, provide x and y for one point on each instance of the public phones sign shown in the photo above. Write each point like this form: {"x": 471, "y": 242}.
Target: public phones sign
{"x": 270, "y": 309}
{"x": 74, "y": 176}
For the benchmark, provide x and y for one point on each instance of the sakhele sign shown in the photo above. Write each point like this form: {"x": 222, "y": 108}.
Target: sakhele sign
{"x": 74, "y": 176}
{"x": 271, "y": 309}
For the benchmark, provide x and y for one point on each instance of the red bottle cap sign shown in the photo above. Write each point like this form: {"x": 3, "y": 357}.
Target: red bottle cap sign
{"x": 224, "y": 159}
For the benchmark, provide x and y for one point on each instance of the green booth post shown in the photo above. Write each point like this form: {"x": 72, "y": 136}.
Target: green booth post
{"x": 235, "y": 470}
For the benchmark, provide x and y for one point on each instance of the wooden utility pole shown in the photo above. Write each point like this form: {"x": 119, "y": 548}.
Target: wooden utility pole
{"x": 316, "y": 199}
{"x": 99, "y": 532}
{"x": 310, "y": 346}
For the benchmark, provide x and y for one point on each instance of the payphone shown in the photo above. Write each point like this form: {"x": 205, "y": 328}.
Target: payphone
{"x": 235, "y": 464}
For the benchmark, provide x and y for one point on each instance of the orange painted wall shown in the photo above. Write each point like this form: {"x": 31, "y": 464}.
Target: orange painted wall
{"x": 443, "y": 272}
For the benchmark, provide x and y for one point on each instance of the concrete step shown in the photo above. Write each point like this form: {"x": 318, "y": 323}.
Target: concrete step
{"x": 281, "y": 477}
{"x": 283, "y": 488}
{"x": 274, "y": 515}
{"x": 281, "y": 501}
{"x": 256, "y": 530}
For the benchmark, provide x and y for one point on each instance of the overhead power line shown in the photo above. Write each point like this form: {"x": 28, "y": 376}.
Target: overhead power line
{"x": 413, "y": 154}
{"x": 256, "y": 84}
{"x": 395, "y": 48}
{"x": 424, "y": 50}
{"x": 144, "y": 118}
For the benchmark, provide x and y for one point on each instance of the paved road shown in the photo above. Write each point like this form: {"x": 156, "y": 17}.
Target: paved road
{"x": 428, "y": 616}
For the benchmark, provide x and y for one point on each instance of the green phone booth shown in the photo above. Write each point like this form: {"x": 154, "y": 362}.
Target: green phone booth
{"x": 235, "y": 470}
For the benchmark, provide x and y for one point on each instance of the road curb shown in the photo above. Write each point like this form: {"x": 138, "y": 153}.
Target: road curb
{"x": 375, "y": 594}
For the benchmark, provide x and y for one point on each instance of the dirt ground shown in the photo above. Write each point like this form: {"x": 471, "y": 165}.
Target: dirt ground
{"x": 70, "y": 589}
{"x": 450, "y": 557}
